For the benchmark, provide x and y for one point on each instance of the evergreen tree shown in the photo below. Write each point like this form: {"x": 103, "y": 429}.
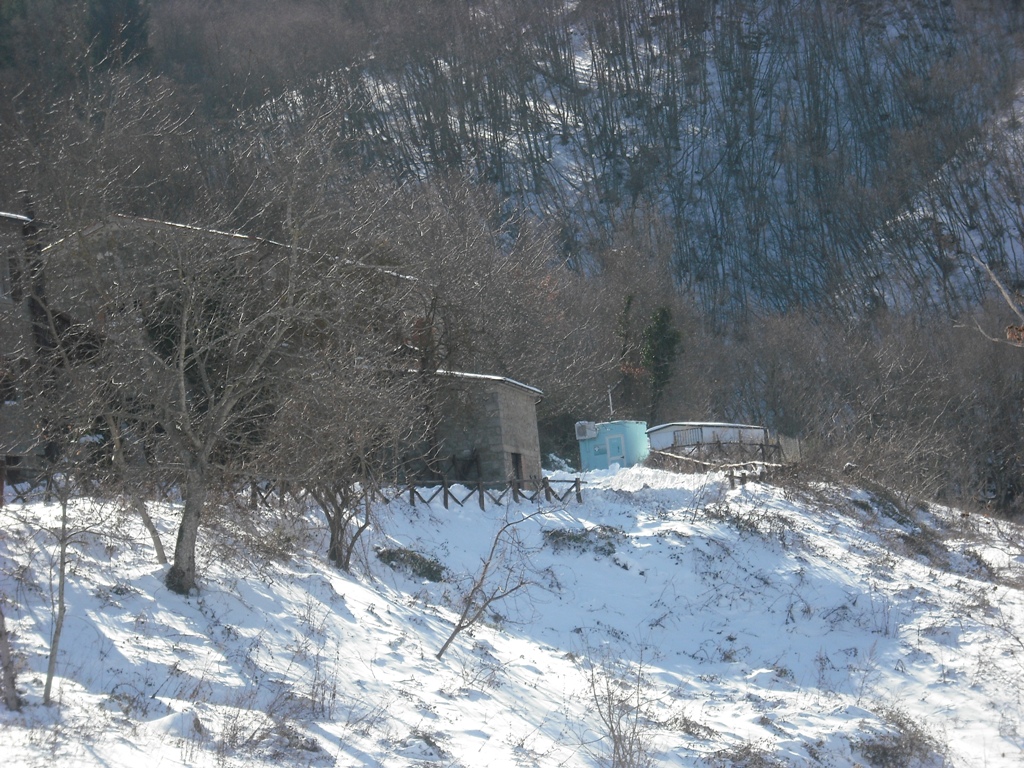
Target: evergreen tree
{"x": 658, "y": 352}
{"x": 119, "y": 30}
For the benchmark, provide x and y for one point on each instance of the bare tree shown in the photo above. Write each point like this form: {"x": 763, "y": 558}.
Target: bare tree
{"x": 504, "y": 571}
{"x": 619, "y": 693}
{"x": 349, "y": 421}
{"x": 133, "y": 474}
{"x": 192, "y": 328}
{"x": 60, "y": 607}
{"x": 64, "y": 482}
{"x": 62, "y": 397}
{"x": 495, "y": 296}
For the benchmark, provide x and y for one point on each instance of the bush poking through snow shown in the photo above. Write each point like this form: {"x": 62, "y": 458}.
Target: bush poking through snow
{"x": 413, "y": 563}
{"x": 685, "y": 724}
{"x": 746, "y": 755}
{"x": 906, "y": 744}
{"x": 757, "y": 521}
{"x": 600, "y": 540}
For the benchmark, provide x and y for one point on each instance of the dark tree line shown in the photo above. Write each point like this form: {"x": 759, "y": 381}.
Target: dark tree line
{"x": 774, "y": 139}
{"x": 777, "y": 142}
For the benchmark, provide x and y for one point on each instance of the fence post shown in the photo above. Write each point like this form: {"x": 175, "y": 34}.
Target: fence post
{"x": 547, "y": 489}
{"x": 444, "y": 496}
{"x": 412, "y": 495}
{"x": 579, "y": 491}
{"x": 480, "y": 490}
{"x": 515, "y": 491}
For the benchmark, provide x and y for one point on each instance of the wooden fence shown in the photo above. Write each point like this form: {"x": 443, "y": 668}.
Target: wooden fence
{"x": 268, "y": 493}
{"x": 516, "y": 491}
{"x": 264, "y": 493}
{"x": 735, "y": 470}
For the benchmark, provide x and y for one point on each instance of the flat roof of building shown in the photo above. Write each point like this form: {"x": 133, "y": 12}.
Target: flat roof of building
{"x": 692, "y": 424}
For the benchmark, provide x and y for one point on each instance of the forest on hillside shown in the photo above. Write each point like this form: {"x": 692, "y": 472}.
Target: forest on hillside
{"x": 765, "y": 211}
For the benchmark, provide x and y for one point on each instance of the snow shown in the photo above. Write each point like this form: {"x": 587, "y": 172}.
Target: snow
{"x": 800, "y": 624}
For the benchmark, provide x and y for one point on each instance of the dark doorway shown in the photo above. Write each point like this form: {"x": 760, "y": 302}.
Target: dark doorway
{"x": 517, "y": 467}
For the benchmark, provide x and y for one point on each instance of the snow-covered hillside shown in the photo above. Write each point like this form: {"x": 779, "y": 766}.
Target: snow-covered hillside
{"x": 668, "y": 620}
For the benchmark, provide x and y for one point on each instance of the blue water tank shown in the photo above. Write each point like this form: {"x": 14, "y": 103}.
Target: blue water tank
{"x": 611, "y": 442}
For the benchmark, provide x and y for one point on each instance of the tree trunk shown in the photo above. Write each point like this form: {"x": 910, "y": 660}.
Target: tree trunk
{"x": 336, "y": 525}
{"x": 58, "y": 624}
{"x": 140, "y": 506}
{"x": 7, "y": 669}
{"x": 181, "y": 578}
{"x": 138, "y": 503}
{"x": 351, "y": 538}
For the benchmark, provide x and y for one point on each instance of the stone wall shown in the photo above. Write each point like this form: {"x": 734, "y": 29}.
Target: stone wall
{"x": 484, "y": 422}
{"x": 518, "y": 435}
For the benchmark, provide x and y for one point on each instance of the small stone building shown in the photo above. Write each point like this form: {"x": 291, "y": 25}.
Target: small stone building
{"x": 487, "y": 429}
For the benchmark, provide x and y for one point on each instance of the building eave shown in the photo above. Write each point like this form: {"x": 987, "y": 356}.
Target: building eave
{"x": 496, "y": 379}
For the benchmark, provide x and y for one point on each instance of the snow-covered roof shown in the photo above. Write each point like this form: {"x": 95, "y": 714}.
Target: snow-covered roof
{"x": 486, "y": 377}
{"x": 693, "y": 424}
{"x": 13, "y": 218}
{"x": 121, "y": 222}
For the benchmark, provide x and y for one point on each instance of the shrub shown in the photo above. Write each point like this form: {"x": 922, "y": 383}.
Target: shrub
{"x": 413, "y": 563}
{"x": 747, "y": 755}
{"x": 905, "y": 744}
{"x": 600, "y": 540}
{"x": 757, "y": 521}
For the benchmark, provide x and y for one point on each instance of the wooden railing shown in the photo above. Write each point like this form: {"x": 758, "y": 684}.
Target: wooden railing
{"x": 517, "y": 491}
{"x": 268, "y": 493}
{"x": 677, "y": 462}
{"x": 264, "y": 493}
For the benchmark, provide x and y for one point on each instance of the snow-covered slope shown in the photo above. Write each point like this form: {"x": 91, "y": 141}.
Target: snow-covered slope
{"x": 672, "y": 618}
